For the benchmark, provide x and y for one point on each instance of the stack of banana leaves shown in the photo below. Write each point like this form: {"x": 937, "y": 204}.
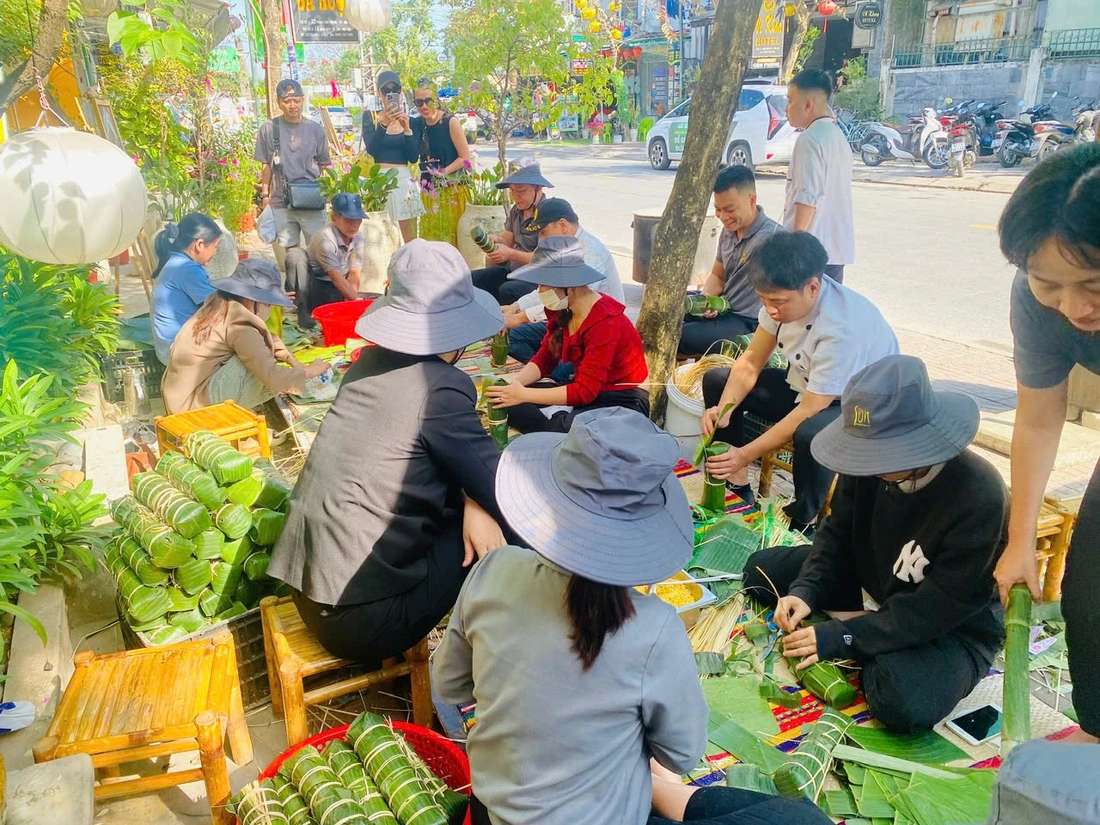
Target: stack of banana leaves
{"x": 196, "y": 539}
{"x": 374, "y": 777}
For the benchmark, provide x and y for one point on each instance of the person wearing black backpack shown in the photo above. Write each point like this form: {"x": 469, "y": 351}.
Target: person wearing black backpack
{"x": 293, "y": 151}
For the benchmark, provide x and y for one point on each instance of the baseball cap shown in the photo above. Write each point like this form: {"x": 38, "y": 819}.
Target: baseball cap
{"x": 289, "y": 88}
{"x": 549, "y": 210}
{"x": 349, "y": 205}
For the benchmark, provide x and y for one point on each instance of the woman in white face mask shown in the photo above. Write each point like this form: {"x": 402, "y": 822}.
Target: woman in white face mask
{"x": 584, "y": 328}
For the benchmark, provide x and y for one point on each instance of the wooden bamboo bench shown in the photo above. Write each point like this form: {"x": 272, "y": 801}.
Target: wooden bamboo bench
{"x": 294, "y": 655}
{"x": 144, "y": 704}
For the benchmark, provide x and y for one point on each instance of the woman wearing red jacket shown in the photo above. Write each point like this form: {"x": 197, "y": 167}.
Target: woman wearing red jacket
{"x": 588, "y": 330}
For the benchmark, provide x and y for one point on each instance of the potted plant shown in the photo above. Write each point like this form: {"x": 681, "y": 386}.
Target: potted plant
{"x": 380, "y": 233}
{"x": 444, "y": 199}
{"x": 595, "y": 128}
{"x": 485, "y": 207}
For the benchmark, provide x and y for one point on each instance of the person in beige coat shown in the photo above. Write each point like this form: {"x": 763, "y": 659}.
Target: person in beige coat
{"x": 226, "y": 352}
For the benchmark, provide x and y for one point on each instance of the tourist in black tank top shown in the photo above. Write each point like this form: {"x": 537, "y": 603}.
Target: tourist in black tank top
{"x": 442, "y": 141}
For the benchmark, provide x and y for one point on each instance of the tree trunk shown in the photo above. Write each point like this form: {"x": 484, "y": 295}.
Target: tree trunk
{"x": 47, "y": 46}
{"x": 713, "y": 105}
{"x": 274, "y": 51}
{"x": 801, "y": 26}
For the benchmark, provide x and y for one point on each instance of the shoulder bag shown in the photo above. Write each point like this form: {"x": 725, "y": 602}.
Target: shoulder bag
{"x": 304, "y": 195}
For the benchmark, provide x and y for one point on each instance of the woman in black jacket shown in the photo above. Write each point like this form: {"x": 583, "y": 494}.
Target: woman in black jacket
{"x": 389, "y": 138}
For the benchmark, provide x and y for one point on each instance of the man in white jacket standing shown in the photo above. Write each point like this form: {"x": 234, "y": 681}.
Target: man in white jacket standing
{"x": 526, "y": 318}
{"x": 819, "y": 177}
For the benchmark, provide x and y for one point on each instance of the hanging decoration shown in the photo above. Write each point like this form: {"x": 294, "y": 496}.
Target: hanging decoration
{"x": 790, "y": 10}
{"x": 99, "y": 8}
{"x": 616, "y": 34}
{"x": 588, "y": 13}
{"x": 368, "y": 15}
{"x": 826, "y": 7}
{"x": 594, "y": 27}
{"x": 69, "y": 197}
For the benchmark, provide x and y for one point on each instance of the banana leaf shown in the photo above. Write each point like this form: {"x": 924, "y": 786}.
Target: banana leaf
{"x": 211, "y": 603}
{"x": 135, "y": 557}
{"x": 701, "y": 449}
{"x": 249, "y": 592}
{"x": 234, "y": 610}
{"x": 189, "y": 478}
{"x": 166, "y": 547}
{"x": 192, "y": 576}
{"x": 453, "y": 803}
{"x": 166, "y": 635}
{"x": 745, "y": 745}
{"x": 329, "y": 801}
{"x": 233, "y": 520}
{"x": 709, "y": 664}
{"x": 749, "y": 778}
{"x": 257, "y": 803}
{"x": 727, "y": 545}
{"x": 929, "y": 748}
{"x": 213, "y": 454}
{"x": 143, "y": 604}
{"x": 263, "y": 488}
{"x": 255, "y": 566}
{"x": 739, "y": 698}
{"x": 377, "y": 746}
{"x": 777, "y": 696}
{"x": 929, "y": 801}
{"x": 190, "y": 622}
{"x": 827, "y": 682}
{"x": 236, "y": 551}
{"x": 873, "y": 802}
{"x": 267, "y": 526}
{"x": 181, "y": 602}
{"x": 184, "y": 515}
{"x": 295, "y": 808}
{"x": 839, "y": 804}
{"x": 224, "y": 578}
{"x": 803, "y": 774}
{"x": 353, "y": 775}
{"x": 879, "y": 761}
{"x": 209, "y": 544}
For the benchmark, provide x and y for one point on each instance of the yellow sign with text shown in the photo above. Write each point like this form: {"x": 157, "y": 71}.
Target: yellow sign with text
{"x": 767, "y": 39}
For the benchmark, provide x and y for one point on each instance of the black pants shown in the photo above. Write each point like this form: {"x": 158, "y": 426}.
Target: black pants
{"x": 772, "y": 399}
{"x": 370, "y": 632}
{"x": 717, "y": 805}
{"x": 309, "y": 291}
{"x": 699, "y": 334}
{"x": 528, "y": 418}
{"x": 836, "y": 272}
{"x": 908, "y": 690}
{"x": 1081, "y": 608}
{"x": 494, "y": 280}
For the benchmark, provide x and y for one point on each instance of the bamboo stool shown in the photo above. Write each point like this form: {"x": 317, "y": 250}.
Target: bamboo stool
{"x": 294, "y": 654}
{"x": 143, "y": 704}
{"x": 1052, "y": 535}
{"x": 771, "y": 461}
{"x": 245, "y": 430}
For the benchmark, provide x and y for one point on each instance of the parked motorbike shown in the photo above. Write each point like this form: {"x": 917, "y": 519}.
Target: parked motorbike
{"x": 1086, "y": 120}
{"x": 909, "y": 142}
{"x": 984, "y": 117}
{"x": 1016, "y": 137}
{"x": 962, "y": 153}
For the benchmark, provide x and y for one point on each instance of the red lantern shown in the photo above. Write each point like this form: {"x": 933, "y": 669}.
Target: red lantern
{"x": 637, "y": 52}
{"x": 826, "y": 7}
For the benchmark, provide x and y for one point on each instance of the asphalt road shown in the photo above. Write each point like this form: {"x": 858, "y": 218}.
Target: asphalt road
{"x": 927, "y": 257}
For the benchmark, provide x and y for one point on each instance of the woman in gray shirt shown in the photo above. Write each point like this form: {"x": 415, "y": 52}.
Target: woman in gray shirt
{"x": 579, "y": 678}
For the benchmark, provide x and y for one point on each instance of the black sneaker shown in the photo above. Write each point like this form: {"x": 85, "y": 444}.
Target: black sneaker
{"x": 743, "y": 492}
{"x": 802, "y": 527}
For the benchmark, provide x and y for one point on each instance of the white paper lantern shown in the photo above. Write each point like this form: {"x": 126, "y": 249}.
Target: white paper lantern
{"x": 99, "y": 8}
{"x": 68, "y": 197}
{"x": 368, "y": 15}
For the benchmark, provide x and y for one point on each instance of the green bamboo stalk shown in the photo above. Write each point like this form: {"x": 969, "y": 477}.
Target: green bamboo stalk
{"x": 1016, "y": 702}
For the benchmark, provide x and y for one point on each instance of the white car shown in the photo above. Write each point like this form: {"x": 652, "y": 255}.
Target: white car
{"x": 759, "y": 134}
{"x": 340, "y": 117}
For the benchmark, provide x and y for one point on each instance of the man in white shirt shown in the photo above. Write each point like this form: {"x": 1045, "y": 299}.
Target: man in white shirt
{"x": 828, "y": 333}
{"x": 526, "y": 316}
{"x": 819, "y": 177}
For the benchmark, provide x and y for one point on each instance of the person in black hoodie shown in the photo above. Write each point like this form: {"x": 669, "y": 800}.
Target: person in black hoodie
{"x": 903, "y": 565}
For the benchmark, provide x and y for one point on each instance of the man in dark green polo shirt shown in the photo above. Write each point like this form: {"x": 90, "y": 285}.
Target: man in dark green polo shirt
{"x": 744, "y": 228}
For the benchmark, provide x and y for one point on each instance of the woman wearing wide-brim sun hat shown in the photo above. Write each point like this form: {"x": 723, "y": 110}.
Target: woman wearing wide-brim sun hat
{"x": 225, "y": 350}
{"x": 587, "y": 330}
{"x": 575, "y": 672}
{"x": 917, "y": 523}
{"x": 396, "y": 496}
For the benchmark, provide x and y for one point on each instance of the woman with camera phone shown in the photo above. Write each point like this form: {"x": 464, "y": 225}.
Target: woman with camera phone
{"x": 388, "y": 138}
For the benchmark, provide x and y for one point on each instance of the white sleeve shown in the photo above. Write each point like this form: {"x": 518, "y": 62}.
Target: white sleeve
{"x": 532, "y": 306}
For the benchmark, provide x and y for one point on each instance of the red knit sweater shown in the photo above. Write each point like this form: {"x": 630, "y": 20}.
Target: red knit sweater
{"x": 606, "y": 352}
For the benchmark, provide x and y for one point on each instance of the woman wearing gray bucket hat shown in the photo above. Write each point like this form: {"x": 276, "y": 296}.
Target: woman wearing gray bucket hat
{"x": 917, "y": 524}
{"x": 588, "y": 330}
{"x": 396, "y": 496}
{"x": 514, "y": 245}
{"x": 226, "y": 352}
{"x": 578, "y": 673}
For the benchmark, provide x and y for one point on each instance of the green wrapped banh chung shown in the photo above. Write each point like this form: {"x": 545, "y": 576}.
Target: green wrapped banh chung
{"x": 212, "y": 453}
{"x": 294, "y": 804}
{"x": 166, "y": 635}
{"x": 167, "y": 548}
{"x": 209, "y": 544}
{"x": 211, "y": 603}
{"x": 184, "y": 515}
{"x": 143, "y": 604}
{"x": 267, "y": 526}
{"x": 453, "y": 803}
{"x": 236, "y": 551}
{"x": 353, "y": 776}
{"x": 376, "y": 744}
{"x": 181, "y": 602}
{"x": 192, "y": 576}
{"x": 257, "y": 803}
{"x": 329, "y": 801}
{"x": 191, "y": 479}
{"x": 263, "y": 488}
{"x": 135, "y": 557}
{"x": 255, "y": 566}
{"x": 189, "y": 622}
{"x": 233, "y": 520}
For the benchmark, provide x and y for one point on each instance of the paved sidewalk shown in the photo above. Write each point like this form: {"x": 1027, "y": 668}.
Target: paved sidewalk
{"x": 984, "y": 177}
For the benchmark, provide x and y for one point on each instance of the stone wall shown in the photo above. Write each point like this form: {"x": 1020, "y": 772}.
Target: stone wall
{"x": 1069, "y": 78}
{"x": 913, "y": 89}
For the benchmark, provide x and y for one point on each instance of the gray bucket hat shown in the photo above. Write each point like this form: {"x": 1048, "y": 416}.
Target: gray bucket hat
{"x": 558, "y": 261}
{"x": 530, "y": 174}
{"x": 431, "y": 306}
{"x": 256, "y": 280}
{"x": 600, "y": 501}
{"x": 892, "y": 421}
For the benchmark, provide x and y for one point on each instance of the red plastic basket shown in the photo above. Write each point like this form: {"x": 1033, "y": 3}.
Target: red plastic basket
{"x": 446, "y": 759}
{"x": 338, "y": 320}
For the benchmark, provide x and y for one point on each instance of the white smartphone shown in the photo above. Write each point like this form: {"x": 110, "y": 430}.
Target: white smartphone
{"x": 979, "y": 725}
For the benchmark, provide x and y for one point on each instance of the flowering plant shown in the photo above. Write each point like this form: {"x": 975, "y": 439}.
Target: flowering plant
{"x": 435, "y": 179}
{"x": 230, "y": 175}
{"x": 483, "y": 187}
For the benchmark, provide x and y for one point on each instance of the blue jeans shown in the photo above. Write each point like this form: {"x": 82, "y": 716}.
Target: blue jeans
{"x": 1043, "y": 782}
{"x": 524, "y": 342}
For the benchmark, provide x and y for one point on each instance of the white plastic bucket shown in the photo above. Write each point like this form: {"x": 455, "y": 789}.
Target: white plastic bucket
{"x": 683, "y": 413}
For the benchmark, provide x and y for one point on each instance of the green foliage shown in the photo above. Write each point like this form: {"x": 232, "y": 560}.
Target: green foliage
{"x": 482, "y": 187}
{"x": 231, "y": 174}
{"x": 53, "y": 321}
{"x": 163, "y": 33}
{"x": 807, "y": 48}
{"x": 373, "y": 184}
{"x": 859, "y": 93}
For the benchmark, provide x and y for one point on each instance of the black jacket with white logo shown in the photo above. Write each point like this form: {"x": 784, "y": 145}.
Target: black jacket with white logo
{"x": 925, "y": 557}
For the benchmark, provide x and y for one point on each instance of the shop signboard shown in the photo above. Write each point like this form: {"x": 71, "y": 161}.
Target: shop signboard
{"x": 869, "y": 15}
{"x": 767, "y": 40}
{"x": 320, "y": 21}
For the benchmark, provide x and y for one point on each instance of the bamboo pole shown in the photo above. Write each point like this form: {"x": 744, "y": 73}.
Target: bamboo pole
{"x": 214, "y": 772}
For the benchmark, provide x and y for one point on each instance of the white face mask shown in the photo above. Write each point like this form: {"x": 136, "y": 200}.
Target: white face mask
{"x": 551, "y": 301}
